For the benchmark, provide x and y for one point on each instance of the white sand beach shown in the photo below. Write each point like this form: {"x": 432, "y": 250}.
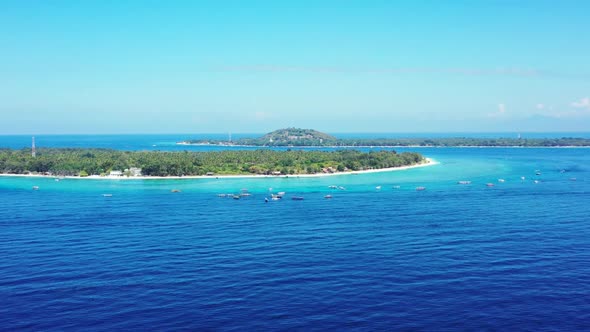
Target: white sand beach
{"x": 429, "y": 162}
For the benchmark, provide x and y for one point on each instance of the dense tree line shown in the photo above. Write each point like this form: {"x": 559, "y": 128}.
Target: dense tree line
{"x": 466, "y": 141}
{"x": 309, "y": 137}
{"x": 84, "y": 162}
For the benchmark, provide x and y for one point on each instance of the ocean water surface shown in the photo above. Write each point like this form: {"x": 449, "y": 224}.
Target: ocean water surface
{"x": 513, "y": 256}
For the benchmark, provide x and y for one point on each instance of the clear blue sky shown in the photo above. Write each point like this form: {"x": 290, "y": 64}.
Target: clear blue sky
{"x": 253, "y": 66}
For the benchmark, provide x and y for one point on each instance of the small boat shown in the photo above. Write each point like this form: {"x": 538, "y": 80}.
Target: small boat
{"x": 328, "y": 196}
{"x": 297, "y": 198}
{"x": 221, "y": 195}
{"x": 536, "y": 181}
{"x": 56, "y": 180}
{"x": 341, "y": 188}
{"x": 489, "y": 184}
{"x": 265, "y": 200}
{"x": 378, "y": 188}
{"x": 281, "y": 193}
{"x": 396, "y": 187}
{"x": 573, "y": 179}
{"x": 333, "y": 187}
{"x": 107, "y": 195}
{"x": 501, "y": 180}
{"x": 522, "y": 178}
{"x": 275, "y": 198}
{"x": 35, "y": 187}
{"x": 420, "y": 188}
{"x": 464, "y": 182}
{"x": 245, "y": 194}
{"x": 175, "y": 191}
{"x": 236, "y": 196}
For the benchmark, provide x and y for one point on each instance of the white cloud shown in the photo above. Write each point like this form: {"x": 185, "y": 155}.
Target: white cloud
{"x": 261, "y": 116}
{"x": 582, "y": 103}
{"x": 500, "y": 112}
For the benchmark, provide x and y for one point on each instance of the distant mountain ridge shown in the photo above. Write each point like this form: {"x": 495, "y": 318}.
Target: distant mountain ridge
{"x": 298, "y": 137}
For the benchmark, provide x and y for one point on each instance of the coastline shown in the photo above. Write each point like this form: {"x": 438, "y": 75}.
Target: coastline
{"x": 428, "y": 162}
{"x": 388, "y": 146}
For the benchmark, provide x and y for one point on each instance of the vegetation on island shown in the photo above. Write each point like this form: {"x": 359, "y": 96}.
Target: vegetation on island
{"x": 85, "y": 162}
{"x": 307, "y": 137}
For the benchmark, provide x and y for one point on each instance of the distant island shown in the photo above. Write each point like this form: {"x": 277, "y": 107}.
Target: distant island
{"x": 296, "y": 137}
{"x": 115, "y": 163}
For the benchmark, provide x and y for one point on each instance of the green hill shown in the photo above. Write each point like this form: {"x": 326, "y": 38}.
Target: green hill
{"x": 296, "y": 137}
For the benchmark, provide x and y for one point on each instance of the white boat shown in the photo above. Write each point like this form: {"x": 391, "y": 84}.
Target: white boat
{"x": 396, "y": 187}
{"x": 328, "y": 196}
{"x": 464, "y": 182}
{"x": 420, "y": 188}
{"x": 341, "y": 188}
{"x": 35, "y": 187}
{"x": 501, "y": 180}
{"x": 536, "y": 181}
{"x": 489, "y": 184}
{"x": 333, "y": 187}
{"x": 107, "y": 195}
{"x": 522, "y": 178}
{"x": 378, "y": 187}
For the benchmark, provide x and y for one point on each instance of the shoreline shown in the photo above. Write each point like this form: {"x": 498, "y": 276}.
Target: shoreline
{"x": 388, "y": 146}
{"x": 428, "y": 162}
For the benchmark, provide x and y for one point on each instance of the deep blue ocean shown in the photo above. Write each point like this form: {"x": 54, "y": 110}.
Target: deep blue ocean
{"x": 510, "y": 257}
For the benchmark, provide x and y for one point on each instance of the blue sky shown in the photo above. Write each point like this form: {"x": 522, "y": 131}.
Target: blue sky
{"x": 254, "y": 66}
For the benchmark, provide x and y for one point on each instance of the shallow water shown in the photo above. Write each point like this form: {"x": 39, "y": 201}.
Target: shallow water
{"x": 514, "y": 256}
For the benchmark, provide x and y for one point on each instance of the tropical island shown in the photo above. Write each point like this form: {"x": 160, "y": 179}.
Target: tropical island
{"x": 109, "y": 163}
{"x": 296, "y": 137}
